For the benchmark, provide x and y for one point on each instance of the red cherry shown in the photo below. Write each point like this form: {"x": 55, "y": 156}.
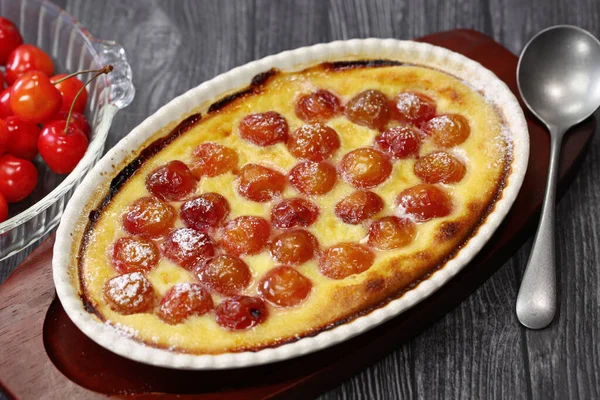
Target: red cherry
{"x": 241, "y": 312}
{"x": 245, "y": 235}
{"x": 5, "y": 110}
{"x": 358, "y": 207}
{"x": 69, "y": 89}
{"x": 188, "y": 247}
{"x": 129, "y": 293}
{"x": 23, "y": 138}
{"x": 173, "y": 181}
{"x": 365, "y": 168}
{"x": 425, "y": 201}
{"x": 259, "y": 183}
{"x": 440, "y": 167}
{"x": 294, "y": 247}
{"x": 4, "y": 137}
{"x": 292, "y": 213}
{"x": 225, "y": 274}
{"x": 18, "y": 178}
{"x": 77, "y": 119}
{"x": 25, "y": 58}
{"x": 313, "y": 178}
{"x": 129, "y": 254}
{"x": 205, "y": 211}
{"x": 391, "y": 232}
{"x": 62, "y": 151}
{"x": 345, "y": 259}
{"x": 34, "y": 98}
{"x": 2, "y": 81}
{"x": 400, "y": 141}
{"x": 313, "y": 142}
{"x": 319, "y": 106}
{"x": 182, "y": 301}
{"x": 10, "y": 39}
{"x": 149, "y": 217}
{"x": 284, "y": 287}
{"x": 264, "y": 129}
{"x": 3, "y": 209}
{"x": 369, "y": 108}
{"x": 448, "y": 130}
{"x": 413, "y": 107}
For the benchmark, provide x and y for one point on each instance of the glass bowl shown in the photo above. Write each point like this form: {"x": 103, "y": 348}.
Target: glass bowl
{"x": 72, "y": 48}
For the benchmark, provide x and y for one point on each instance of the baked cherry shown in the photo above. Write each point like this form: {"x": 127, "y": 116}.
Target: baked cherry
{"x": 264, "y": 129}
{"x": 440, "y": 167}
{"x": 3, "y": 209}
{"x": 319, "y": 106}
{"x": 77, "y": 119}
{"x": 34, "y": 98}
{"x": 294, "y": 247}
{"x": 425, "y": 201}
{"x": 225, "y": 274}
{"x": 188, "y": 247}
{"x": 358, "y": 207}
{"x": 345, "y": 259}
{"x": 26, "y": 58}
{"x": 69, "y": 88}
{"x": 241, "y": 312}
{"x": 413, "y": 107}
{"x": 245, "y": 235}
{"x": 18, "y": 178}
{"x": 205, "y": 211}
{"x": 10, "y": 39}
{"x": 211, "y": 159}
{"x": 284, "y": 287}
{"x": 259, "y": 183}
{"x": 149, "y": 217}
{"x": 292, "y": 213}
{"x": 365, "y": 168}
{"x": 313, "y": 142}
{"x": 448, "y": 130}
{"x": 391, "y": 232}
{"x": 313, "y": 178}
{"x": 129, "y": 254}
{"x": 399, "y": 141}
{"x": 182, "y": 301}
{"x": 23, "y": 138}
{"x": 173, "y": 181}
{"x": 5, "y": 110}
{"x": 62, "y": 147}
{"x": 129, "y": 293}
{"x": 369, "y": 108}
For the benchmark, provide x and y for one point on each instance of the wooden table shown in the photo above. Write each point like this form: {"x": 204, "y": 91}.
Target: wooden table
{"x": 479, "y": 350}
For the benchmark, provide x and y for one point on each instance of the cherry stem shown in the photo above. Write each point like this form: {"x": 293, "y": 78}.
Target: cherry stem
{"x": 105, "y": 70}
{"x": 85, "y": 71}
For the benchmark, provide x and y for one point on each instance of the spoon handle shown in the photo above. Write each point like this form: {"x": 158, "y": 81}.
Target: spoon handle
{"x": 536, "y": 302}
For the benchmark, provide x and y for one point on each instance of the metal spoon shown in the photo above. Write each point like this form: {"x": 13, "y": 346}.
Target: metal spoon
{"x": 559, "y": 80}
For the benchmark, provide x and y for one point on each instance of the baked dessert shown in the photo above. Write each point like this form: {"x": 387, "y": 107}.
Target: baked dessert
{"x": 297, "y": 204}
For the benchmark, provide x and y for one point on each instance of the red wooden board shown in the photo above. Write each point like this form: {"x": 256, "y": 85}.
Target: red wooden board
{"x": 44, "y": 355}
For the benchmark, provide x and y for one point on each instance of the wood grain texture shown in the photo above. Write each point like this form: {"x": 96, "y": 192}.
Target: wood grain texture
{"x": 479, "y": 350}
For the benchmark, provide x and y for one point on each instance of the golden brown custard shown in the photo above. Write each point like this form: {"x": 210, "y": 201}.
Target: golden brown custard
{"x": 297, "y": 204}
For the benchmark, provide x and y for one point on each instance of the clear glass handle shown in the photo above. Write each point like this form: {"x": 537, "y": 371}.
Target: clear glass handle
{"x": 120, "y": 80}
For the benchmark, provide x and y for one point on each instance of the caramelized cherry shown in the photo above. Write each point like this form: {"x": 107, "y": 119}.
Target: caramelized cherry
{"x": 391, "y": 232}
{"x": 448, "y": 130}
{"x": 149, "y": 217}
{"x": 245, "y": 235}
{"x": 211, "y": 159}
{"x": 173, "y": 181}
{"x": 284, "y": 287}
{"x": 205, "y": 211}
{"x": 225, "y": 274}
{"x": 183, "y": 301}
{"x": 259, "y": 183}
{"x": 294, "y": 247}
{"x": 440, "y": 167}
{"x": 188, "y": 247}
{"x": 129, "y": 254}
{"x": 369, "y": 108}
{"x": 365, "y": 168}
{"x": 345, "y": 259}
{"x": 313, "y": 178}
{"x": 400, "y": 141}
{"x": 413, "y": 107}
{"x": 358, "y": 207}
{"x": 319, "y": 106}
{"x": 241, "y": 312}
{"x": 129, "y": 293}
{"x": 264, "y": 129}
{"x": 425, "y": 202}
{"x": 291, "y": 213}
{"x": 313, "y": 142}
